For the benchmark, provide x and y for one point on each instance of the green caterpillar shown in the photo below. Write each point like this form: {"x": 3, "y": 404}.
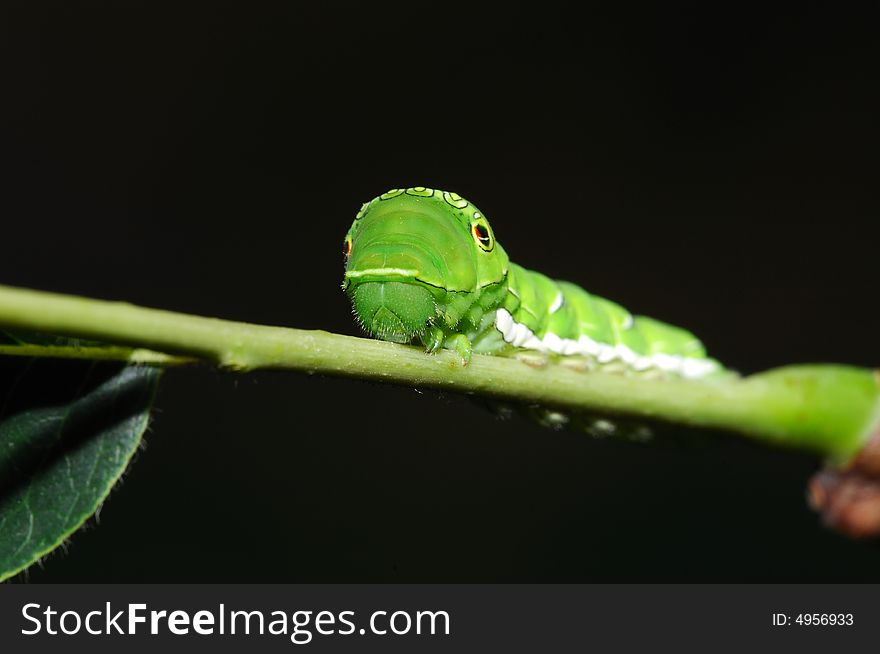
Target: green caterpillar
{"x": 423, "y": 265}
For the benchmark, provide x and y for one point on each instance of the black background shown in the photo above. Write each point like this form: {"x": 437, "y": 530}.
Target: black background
{"x": 713, "y": 168}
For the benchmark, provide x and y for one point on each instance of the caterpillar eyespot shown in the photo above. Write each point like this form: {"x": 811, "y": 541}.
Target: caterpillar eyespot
{"x": 415, "y": 278}
{"x": 482, "y": 236}
{"x": 346, "y": 249}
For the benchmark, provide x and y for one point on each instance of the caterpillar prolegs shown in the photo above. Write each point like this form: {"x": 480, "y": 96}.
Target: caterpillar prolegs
{"x": 423, "y": 265}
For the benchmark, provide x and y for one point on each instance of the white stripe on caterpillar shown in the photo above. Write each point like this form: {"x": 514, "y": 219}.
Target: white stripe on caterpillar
{"x": 519, "y": 335}
{"x": 382, "y": 272}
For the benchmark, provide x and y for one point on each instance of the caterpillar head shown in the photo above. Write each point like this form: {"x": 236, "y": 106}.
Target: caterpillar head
{"x": 410, "y": 253}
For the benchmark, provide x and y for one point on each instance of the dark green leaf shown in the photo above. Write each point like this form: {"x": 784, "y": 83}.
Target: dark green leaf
{"x": 67, "y": 432}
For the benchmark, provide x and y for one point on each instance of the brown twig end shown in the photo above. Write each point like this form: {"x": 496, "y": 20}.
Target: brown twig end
{"x": 848, "y": 498}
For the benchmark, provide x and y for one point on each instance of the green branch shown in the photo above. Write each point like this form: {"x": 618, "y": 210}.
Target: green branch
{"x": 827, "y": 409}
{"x": 96, "y": 353}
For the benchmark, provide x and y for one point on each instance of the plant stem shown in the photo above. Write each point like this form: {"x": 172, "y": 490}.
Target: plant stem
{"x": 96, "y": 353}
{"x": 828, "y": 409}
